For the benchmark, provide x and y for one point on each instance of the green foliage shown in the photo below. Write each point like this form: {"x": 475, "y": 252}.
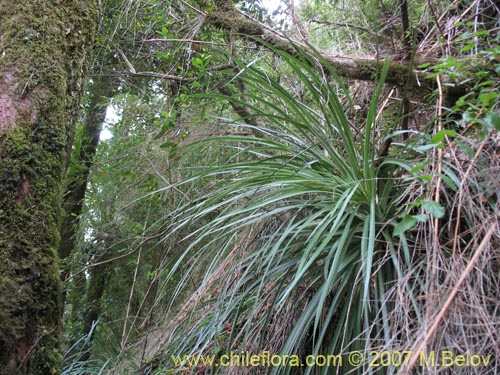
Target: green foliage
{"x": 479, "y": 107}
{"x": 310, "y": 184}
{"x": 294, "y": 234}
{"x": 165, "y": 122}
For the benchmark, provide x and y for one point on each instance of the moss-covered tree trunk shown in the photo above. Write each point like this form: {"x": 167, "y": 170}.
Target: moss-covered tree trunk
{"x": 44, "y": 50}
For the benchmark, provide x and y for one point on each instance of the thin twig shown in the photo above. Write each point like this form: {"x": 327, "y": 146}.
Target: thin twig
{"x": 129, "y": 64}
{"x": 417, "y": 349}
{"x": 163, "y": 76}
{"x": 461, "y": 192}
{"x": 436, "y": 20}
{"x": 183, "y": 40}
{"x": 193, "y": 8}
{"x": 439, "y": 158}
{"x": 125, "y": 334}
{"x": 97, "y": 264}
{"x": 344, "y": 24}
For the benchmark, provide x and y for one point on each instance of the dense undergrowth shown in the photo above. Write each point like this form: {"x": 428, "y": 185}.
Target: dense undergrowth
{"x": 314, "y": 225}
{"x": 318, "y": 244}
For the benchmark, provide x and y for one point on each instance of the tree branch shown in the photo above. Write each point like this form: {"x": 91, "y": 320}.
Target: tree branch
{"x": 344, "y": 24}
{"x": 417, "y": 83}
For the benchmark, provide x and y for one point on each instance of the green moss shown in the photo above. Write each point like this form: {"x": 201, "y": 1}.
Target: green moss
{"x": 38, "y": 39}
{"x": 233, "y": 21}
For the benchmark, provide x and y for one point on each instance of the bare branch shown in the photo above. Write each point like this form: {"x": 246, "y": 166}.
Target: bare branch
{"x": 163, "y": 76}
{"x": 344, "y": 24}
{"x": 129, "y": 65}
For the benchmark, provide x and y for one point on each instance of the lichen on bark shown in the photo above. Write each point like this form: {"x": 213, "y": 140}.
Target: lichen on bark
{"x": 45, "y": 47}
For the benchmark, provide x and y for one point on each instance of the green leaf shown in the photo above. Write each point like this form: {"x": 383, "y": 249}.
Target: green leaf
{"x": 166, "y": 125}
{"x": 468, "y": 47}
{"x": 493, "y": 120}
{"x": 469, "y": 117}
{"x": 172, "y": 152}
{"x": 487, "y": 99}
{"x": 419, "y": 167}
{"x": 466, "y": 149}
{"x": 421, "y": 217}
{"x": 163, "y": 32}
{"x": 482, "y": 33}
{"x": 449, "y": 182}
{"x": 405, "y": 225}
{"x": 425, "y": 177}
{"x": 433, "y": 208}
{"x": 197, "y": 63}
{"x": 440, "y": 135}
{"x": 427, "y": 147}
{"x": 168, "y": 144}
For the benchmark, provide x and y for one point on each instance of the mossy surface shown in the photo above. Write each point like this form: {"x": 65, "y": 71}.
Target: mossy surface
{"x": 44, "y": 48}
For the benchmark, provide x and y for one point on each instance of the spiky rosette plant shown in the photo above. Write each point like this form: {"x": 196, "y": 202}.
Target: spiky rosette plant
{"x": 299, "y": 251}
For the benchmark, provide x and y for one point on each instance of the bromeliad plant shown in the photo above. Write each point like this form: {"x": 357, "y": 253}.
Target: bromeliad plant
{"x": 299, "y": 252}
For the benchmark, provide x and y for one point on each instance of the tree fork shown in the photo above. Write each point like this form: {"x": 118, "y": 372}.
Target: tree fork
{"x": 44, "y": 49}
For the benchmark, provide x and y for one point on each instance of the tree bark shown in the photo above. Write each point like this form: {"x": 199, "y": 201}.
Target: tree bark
{"x": 416, "y": 83}
{"x": 97, "y": 284}
{"x": 100, "y": 92}
{"x": 355, "y": 68}
{"x": 44, "y": 52}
